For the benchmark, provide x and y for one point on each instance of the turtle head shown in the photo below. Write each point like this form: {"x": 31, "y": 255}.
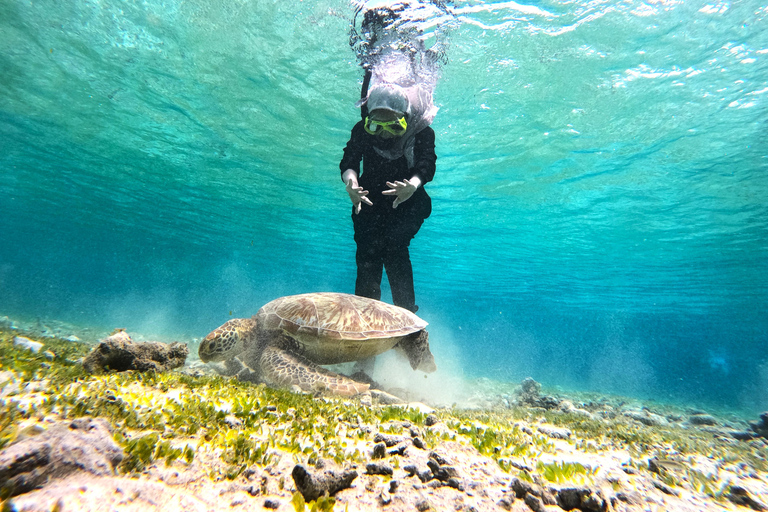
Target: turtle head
{"x": 228, "y": 341}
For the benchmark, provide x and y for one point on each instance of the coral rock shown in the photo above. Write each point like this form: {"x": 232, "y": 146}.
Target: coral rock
{"x": 379, "y": 468}
{"x": 630, "y": 497}
{"x": 33, "y": 346}
{"x": 423, "y": 506}
{"x": 582, "y": 498}
{"x": 118, "y": 352}
{"x": 554, "y": 432}
{"x": 84, "y": 444}
{"x": 740, "y": 496}
{"x": 314, "y": 484}
{"x": 534, "y": 503}
{"x": 646, "y": 418}
{"x": 761, "y": 427}
{"x": 379, "y": 451}
{"x": 271, "y": 504}
{"x": 702, "y": 419}
{"x": 520, "y": 487}
{"x": 523, "y": 489}
{"x": 410, "y": 469}
{"x": 425, "y": 475}
{"x": 388, "y": 439}
{"x": 743, "y": 435}
{"x": 530, "y": 387}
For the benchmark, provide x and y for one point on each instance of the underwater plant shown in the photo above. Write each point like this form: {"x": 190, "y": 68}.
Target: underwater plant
{"x": 231, "y": 426}
{"x": 321, "y": 504}
{"x": 562, "y": 471}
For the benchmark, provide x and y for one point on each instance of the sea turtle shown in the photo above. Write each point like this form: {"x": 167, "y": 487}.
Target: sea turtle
{"x": 285, "y": 341}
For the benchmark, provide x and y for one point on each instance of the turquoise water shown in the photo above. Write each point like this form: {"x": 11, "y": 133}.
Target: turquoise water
{"x": 600, "y": 216}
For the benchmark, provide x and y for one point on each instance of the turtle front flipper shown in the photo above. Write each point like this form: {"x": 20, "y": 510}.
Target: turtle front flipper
{"x": 241, "y": 370}
{"x": 284, "y": 369}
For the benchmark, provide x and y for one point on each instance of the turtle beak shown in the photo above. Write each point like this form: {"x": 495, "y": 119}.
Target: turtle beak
{"x": 211, "y": 348}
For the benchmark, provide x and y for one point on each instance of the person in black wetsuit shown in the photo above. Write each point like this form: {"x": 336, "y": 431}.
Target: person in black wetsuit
{"x": 394, "y": 143}
{"x": 397, "y": 150}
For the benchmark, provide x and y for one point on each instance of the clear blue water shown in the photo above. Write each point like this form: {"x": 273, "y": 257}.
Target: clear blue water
{"x": 600, "y": 206}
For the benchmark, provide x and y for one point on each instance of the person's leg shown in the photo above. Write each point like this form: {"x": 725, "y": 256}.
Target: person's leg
{"x": 403, "y": 227}
{"x": 397, "y": 262}
{"x": 368, "y": 257}
{"x": 369, "y": 271}
{"x": 370, "y": 267}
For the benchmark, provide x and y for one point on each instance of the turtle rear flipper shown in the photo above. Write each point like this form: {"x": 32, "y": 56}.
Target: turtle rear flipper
{"x": 281, "y": 368}
{"x": 416, "y": 349}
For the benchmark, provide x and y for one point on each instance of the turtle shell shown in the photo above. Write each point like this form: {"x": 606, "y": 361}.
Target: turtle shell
{"x": 331, "y": 328}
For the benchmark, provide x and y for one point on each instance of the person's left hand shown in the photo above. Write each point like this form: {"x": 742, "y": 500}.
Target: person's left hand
{"x": 402, "y": 189}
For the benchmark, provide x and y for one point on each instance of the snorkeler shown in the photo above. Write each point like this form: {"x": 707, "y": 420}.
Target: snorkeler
{"x": 397, "y": 150}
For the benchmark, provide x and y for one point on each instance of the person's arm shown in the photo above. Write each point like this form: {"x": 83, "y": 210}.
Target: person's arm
{"x": 350, "y": 168}
{"x": 424, "y": 159}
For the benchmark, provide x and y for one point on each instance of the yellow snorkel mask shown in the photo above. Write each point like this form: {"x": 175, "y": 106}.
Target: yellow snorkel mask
{"x": 396, "y": 127}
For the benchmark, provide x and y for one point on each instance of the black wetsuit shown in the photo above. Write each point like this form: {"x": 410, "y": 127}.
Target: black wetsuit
{"x": 383, "y": 233}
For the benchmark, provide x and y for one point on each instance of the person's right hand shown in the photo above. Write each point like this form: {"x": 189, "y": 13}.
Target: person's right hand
{"x": 358, "y": 196}
{"x": 356, "y": 193}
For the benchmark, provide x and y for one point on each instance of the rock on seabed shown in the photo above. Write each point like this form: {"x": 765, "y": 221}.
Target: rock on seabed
{"x": 119, "y": 353}
{"x": 81, "y": 445}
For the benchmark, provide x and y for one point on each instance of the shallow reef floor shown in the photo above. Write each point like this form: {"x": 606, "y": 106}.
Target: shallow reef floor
{"x": 192, "y": 442}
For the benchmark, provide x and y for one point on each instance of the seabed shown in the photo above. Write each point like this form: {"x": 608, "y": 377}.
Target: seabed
{"x": 192, "y": 441}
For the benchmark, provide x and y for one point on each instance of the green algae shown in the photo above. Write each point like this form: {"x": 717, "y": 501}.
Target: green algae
{"x": 139, "y": 451}
{"x": 597, "y": 435}
{"x": 57, "y": 361}
{"x": 495, "y": 439}
{"x": 175, "y": 418}
{"x": 172, "y": 416}
{"x": 322, "y": 504}
{"x": 561, "y": 472}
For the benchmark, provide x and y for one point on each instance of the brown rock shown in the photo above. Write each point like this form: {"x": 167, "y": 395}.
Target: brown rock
{"x": 313, "y": 484}
{"x": 82, "y": 445}
{"x": 85, "y": 492}
{"x": 740, "y": 496}
{"x": 703, "y": 419}
{"x": 582, "y": 498}
{"x": 387, "y": 439}
{"x": 379, "y": 468}
{"x": 119, "y": 353}
{"x": 534, "y": 503}
{"x": 379, "y": 451}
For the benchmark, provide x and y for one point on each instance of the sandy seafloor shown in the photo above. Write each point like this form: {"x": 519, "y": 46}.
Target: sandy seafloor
{"x": 193, "y": 440}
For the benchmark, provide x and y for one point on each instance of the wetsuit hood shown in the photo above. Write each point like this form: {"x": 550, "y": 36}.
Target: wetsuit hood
{"x": 388, "y": 97}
